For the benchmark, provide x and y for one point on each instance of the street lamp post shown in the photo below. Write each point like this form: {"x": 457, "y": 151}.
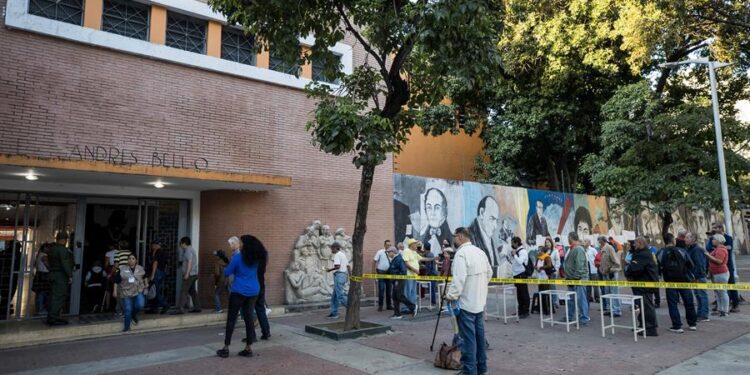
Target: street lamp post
{"x": 712, "y": 65}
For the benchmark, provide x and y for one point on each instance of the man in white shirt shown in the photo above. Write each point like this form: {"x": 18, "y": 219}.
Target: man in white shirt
{"x": 591, "y": 252}
{"x": 519, "y": 257}
{"x": 380, "y": 264}
{"x": 340, "y": 272}
{"x": 471, "y": 276}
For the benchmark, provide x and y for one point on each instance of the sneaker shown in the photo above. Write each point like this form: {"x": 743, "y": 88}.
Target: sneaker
{"x": 693, "y": 328}
{"x": 220, "y": 311}
{"x": 715, "y": 313}
{"x": 332, "y": 316}
{"x": 676, "y": 330}
{"x": 396, "y": 317}
{"x": 704, "y": 320}
{"x": 414, "y": 313}
{"x": 722, "y": 314}
{"x": 734, "y": 309}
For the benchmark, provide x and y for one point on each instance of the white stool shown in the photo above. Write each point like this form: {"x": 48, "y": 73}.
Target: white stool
{"x": 424, "y": 285}
{"x": 563, "y": 295}
{"x": 631, "y": 300}
{"x": 505, "y": 290}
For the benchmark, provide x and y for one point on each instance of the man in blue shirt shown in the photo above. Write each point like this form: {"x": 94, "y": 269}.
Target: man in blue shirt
{"x": 734, "y": 296}
{"x": 695, "y": 251}
{"x": 657, "y": 297}
{"x": 398, "y": 267}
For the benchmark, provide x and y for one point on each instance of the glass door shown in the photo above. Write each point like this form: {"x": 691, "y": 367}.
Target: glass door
{"x": 28, "y": 226}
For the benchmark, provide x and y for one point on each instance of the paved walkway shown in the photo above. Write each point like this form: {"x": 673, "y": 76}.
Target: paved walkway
{"x": 719, "y": 346}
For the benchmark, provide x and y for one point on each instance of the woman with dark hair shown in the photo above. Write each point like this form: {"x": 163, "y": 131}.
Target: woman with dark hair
{"x": 244, "y": 291}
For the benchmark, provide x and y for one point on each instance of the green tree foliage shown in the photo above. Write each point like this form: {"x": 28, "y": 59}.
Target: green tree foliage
{"x": 563, "y": 60}
{"x": 417, "y": 53}
{"x": 663, "y": 150}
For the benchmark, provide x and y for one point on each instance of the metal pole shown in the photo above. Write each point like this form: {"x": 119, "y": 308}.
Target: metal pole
{"x": 720, "y": 151}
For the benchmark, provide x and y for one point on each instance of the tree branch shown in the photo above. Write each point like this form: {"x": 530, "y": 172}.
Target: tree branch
{"x": 365, "y": 44}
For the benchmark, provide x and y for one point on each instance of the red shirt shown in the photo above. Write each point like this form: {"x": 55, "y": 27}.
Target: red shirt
{"x": 721, "y": 253}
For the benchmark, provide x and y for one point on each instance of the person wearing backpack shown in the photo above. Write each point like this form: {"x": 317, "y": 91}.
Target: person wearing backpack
{"x": 675, "y": 265}
{"x": 522, "y": 269}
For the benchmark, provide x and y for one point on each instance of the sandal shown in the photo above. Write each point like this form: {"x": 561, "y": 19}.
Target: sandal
{"x": 245, "y": 353}
{"x": 223, "y": 353}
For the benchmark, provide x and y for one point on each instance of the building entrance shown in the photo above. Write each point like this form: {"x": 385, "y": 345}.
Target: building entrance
{"x": 95, "y": 226}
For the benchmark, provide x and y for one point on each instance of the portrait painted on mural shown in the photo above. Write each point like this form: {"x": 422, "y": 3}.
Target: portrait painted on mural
{"x": 434, "y": 206}
{"x": 513, "y": 203}
{"x": 547, "y": 215}
{"x": 429, "y": 209}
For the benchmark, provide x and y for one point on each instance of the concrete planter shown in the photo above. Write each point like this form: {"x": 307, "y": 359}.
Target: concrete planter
{"x": 336, "y": 330}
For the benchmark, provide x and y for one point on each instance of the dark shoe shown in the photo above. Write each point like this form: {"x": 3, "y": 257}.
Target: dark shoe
{"x": 59, "y": 322}
{"x": 223, "y": 353}
{"x": 177, "y": 312}
{"x": 164, "y": 310}
{"x": 245, "y": 353}
{"x": 389, "y": 308}
{"x": 607, "y": 313}
{"x": 135, "y": 320}
{"x": 195, "y": 310}
{"x": 380, "y": 308}
{"x": 265, "y": 337}
{"x": 151, "y": 311}
{"x": 523, "y": 316}
{"x": 617, "y": 315}
{"x": 652, "y": 334}
{"x": 734, "y": 309}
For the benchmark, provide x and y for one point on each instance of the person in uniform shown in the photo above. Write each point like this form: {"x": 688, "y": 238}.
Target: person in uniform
{"x": 60, "y": 261}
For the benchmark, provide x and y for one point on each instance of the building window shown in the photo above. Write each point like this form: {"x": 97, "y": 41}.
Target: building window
{"x": 70, "y": 11}
{"x": 318, "y": 74}
{"x": 277, "y": 64}
{"x": 186, "y": 33}
{"x": 126, "y": 18}
{"x": 236, "y": 46}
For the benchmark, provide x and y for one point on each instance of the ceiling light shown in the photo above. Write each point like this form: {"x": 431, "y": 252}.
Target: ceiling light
{"x": 158, "y": 184}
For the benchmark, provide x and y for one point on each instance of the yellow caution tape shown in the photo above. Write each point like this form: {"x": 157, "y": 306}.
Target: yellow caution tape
{"x": 631, "y": 284}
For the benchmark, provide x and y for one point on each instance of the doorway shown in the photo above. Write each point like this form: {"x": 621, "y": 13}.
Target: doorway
{"x": 113, "y": 224}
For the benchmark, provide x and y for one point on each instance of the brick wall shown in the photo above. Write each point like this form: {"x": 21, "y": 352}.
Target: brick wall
{"x": 56, "y": 94}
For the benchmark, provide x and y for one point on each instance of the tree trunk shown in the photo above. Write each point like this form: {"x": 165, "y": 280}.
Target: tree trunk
{"x": 358, "y": 238}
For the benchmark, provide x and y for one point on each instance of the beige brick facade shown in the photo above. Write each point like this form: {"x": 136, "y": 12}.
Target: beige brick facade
{"x": 56, "y": 94}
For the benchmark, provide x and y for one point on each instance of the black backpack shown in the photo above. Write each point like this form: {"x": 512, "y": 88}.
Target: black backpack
{"x": 675, "y": 265}
{"x": 529, "y": 265}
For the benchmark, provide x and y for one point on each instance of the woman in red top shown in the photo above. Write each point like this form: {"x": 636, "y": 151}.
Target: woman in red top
{"x": 717, "y": 266}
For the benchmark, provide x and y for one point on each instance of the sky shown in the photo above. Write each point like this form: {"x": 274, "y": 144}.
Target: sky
{"x": 743, "y": 106}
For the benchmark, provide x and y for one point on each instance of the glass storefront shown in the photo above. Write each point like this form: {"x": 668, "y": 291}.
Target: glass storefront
{"x": 29, "y": 223}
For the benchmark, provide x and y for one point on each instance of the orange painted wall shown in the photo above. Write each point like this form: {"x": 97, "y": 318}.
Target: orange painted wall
{"x": 447, "y": 156}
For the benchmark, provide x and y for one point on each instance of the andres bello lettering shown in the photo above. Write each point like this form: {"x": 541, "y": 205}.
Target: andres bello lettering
{"x": 123, "y": 156}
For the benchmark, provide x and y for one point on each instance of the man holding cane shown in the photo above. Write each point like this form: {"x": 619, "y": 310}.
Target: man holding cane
{"x": 468, "y": 289}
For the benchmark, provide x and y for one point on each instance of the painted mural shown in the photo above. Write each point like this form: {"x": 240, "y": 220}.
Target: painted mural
{"x": 430, "y": 209}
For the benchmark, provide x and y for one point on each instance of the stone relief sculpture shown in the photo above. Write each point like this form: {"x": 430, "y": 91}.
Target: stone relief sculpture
{"x": 306, "y": 278}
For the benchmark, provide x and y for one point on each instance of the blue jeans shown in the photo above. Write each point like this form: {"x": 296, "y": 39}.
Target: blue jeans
{"x": 673, "y": 298}
{"x": 473, "y": 349}
{"x": 410, "y": 291}
{"x": 159, "y": 300}
{"x": 583, "y": 305}
{"x": 611, "y": 290}
{"x": 701, "y": 299}
{"x": 338, "y": 296}
{"x": 218, "y": 291}
{"x": 131, "y": 306}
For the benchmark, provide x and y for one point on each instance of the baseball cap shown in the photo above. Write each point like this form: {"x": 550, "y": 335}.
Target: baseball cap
{"x": 719, "y": 237}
